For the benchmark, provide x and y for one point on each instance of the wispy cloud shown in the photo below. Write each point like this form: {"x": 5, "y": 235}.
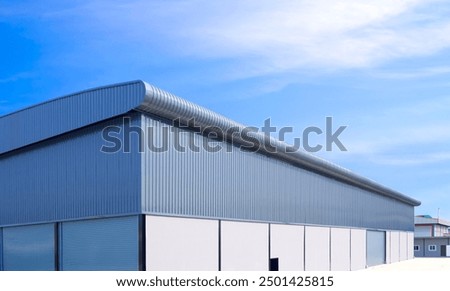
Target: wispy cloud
{"x": 385, "y": 139}
{"x": 414, "y": 73}
{"x": 271, "y": 37}
{"x": 412, "y": 134}
{"x": 413, "y": 160}
{"x": 267, "y": 37}
{"x": 16, "y": 77}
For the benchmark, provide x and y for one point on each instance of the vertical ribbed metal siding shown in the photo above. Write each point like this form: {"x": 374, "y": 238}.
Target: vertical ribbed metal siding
{"x": 1, "y": 249}
{"x": 68, "y": 113}
{"x": 250, "y": 186}
{"x": 68, "y": 178}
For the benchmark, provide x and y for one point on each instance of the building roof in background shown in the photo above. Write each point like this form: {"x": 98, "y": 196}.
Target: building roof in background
{"x": 427, "y": 219}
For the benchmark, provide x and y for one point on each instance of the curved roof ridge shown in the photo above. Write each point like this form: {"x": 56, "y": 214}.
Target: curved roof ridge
{"x": 168, "y": 105}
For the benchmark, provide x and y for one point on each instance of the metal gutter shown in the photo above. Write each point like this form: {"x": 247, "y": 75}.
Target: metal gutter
{"x": 167, "y": 105}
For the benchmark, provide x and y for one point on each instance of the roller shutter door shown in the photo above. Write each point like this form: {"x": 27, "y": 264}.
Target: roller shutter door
{"x": 100, "y": 244}
{"x": 29, "y": 248}
{"x": 376, "y": 248}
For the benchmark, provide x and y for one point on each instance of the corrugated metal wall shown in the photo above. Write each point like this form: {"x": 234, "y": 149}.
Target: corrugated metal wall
{"x": 100, "y": 244}
{"x": 72, "y": 179}
{"x": 1, "y": 249}
{"x": 62, "y": 115}
{"x": 29, "y": 248}
{"x": 67, "y": 178}
{"x": 250, "y": 186}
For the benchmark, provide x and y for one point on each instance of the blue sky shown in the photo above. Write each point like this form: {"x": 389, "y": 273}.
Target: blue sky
{"x": 380, "y": 67}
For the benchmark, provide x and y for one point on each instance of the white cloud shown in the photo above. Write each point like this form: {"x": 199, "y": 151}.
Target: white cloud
{"x": 412, "y": 134}
{"x": 270, "y": 37}
{"x": 289, "y": 35}
{"x": 18, "y": 76}
{"x": 412, "y": 160}
{"x": 385, "y": 138}
{"x": 414, "y": 73}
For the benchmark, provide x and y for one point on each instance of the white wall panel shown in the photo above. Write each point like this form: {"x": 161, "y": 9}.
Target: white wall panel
{"x": 358, "y": 249}
{"x": 403, "y": 245}
{"x": 287, "y": 244}
{"x": 182, "y": 244}
{"x": 340, "y": 249}
{"x": 395, "y": 246}
{"x": 244, "y": 246}
{"x": 388, "y": 247}
{"x": 410, "y": 245}
{"x": 317, "y": 248}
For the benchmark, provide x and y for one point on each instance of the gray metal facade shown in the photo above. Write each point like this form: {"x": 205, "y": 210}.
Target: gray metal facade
{"x": 252, "y": 186}
{"x": 68, "y": 178}
{"x": 61, "y": 115}
{"x": 51, "y": 169}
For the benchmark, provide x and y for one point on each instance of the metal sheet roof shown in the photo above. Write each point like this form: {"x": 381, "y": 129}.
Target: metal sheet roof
{"x": 81, "y": 109}
{"x": 430, "y": 220}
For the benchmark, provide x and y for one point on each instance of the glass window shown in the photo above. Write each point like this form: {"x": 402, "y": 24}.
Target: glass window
{"x": 416, "y": 248}
{"x": 432, "y": 248}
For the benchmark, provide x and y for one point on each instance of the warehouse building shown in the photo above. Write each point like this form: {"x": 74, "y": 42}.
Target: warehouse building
{"x": 69, "y": 200}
